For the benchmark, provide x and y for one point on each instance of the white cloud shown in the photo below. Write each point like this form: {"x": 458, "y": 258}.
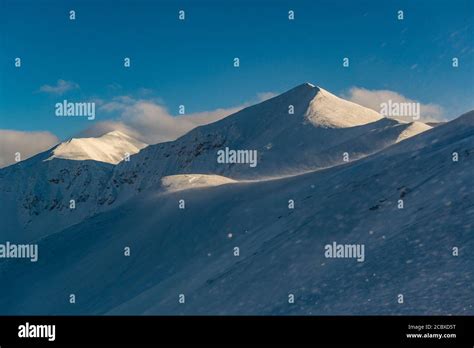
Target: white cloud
{"x": 149, "y": 121}
{"x": 373, "y": 98}
{"x": 26, "y": 143}
{"x": 60, "y": 88}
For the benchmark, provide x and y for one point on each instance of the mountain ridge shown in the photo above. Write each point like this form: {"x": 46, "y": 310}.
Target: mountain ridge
{"x": 286, "y": 143}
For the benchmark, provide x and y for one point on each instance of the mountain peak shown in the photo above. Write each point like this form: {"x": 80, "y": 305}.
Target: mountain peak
{"x": 306, "y": 85}
{"x": 117, "y": 134}
{"x": 303, "y": 87}
{"x": 322, "y": 108}
{"x": 110, "y": 148}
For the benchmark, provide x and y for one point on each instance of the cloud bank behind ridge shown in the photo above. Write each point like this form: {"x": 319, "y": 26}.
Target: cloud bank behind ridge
{"x": 151, "y": 123}
{"x": 26, "y": 143}
{"x": 373, "y": 98}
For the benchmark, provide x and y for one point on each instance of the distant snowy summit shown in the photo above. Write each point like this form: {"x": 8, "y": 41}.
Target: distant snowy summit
{"x": 303, "y": 129}
{"x": 327, "y": 110}
{"x": 111, "y": 147}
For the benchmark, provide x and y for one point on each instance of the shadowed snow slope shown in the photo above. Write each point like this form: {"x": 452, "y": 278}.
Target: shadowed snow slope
{"x": 36, "y": 193}
{"x": 188, "y": 251}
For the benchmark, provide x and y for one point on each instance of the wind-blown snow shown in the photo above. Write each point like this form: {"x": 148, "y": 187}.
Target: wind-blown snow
{"x": 175, "y": 183}
{"x": 414, "y": 128}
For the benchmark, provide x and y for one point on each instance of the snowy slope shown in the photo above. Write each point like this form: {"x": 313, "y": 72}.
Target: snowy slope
{"x": 322, "y": 128}
{"x": 110, "y": 148}
{"x": 413, "y": 129}
{"x": 191, "y": 251}
{"x": 36, "y": 193}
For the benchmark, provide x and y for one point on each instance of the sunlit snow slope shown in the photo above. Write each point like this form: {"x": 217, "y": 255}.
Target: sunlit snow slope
{"x": 315, "y": 134}
{"x": 111, "y": 147}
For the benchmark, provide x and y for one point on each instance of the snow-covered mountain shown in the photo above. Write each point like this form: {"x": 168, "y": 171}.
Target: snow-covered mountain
{"x": 183, "y": 214}
{"x": 37, "y": 193}
{"x": 191, "y": 251}
{"x": 111, "y": 147}
{"x": 304, "y": 129}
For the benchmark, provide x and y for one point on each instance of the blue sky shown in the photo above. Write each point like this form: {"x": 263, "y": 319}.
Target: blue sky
{"x": 190, "y": 62}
